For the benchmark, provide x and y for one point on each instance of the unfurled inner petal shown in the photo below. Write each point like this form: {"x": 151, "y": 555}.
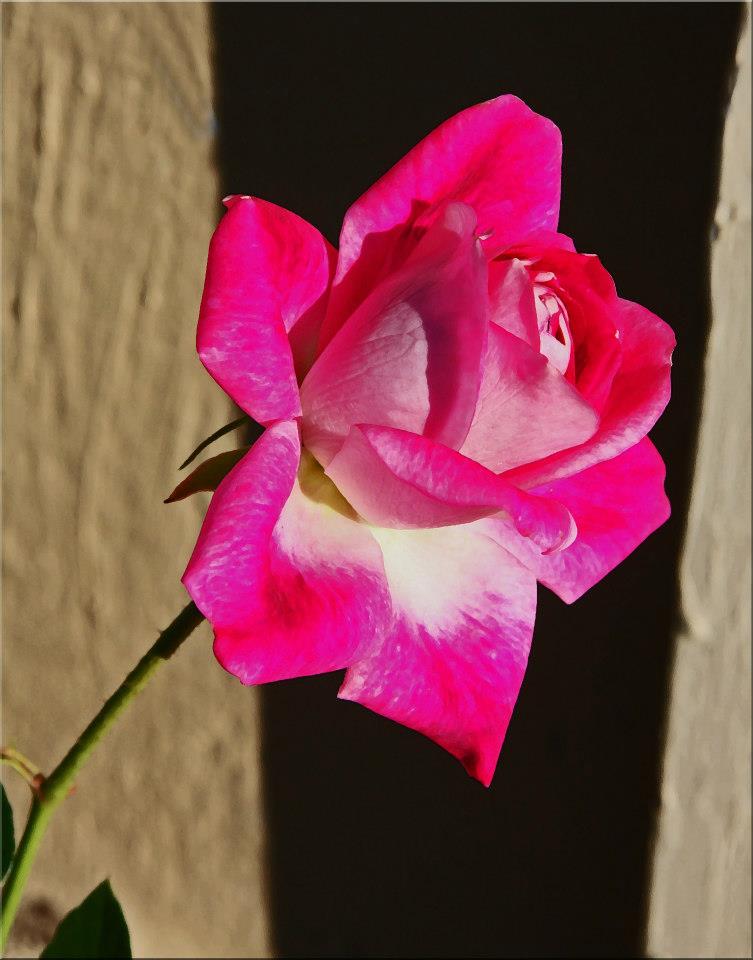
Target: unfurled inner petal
{"x": 555, "y": 338}
{"x": 511, "y": 300}
{"x": 410, "y": 357}
{"x": 398, "y": 480}
{"x": 526, "y": 409}
{"x": 639, "y": 393}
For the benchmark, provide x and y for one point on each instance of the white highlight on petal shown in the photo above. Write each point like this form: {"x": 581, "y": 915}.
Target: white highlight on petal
{"x": 442, "y": 577}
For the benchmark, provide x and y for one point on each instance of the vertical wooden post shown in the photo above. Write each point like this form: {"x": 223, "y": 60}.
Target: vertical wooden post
{"x": 700, "y": 900}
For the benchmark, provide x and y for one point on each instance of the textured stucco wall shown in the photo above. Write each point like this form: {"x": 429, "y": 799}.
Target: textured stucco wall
{"x": 110, "y": 196}
{"x": 701, "y": 895}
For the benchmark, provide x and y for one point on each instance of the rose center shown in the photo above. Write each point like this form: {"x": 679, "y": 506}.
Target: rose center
{"x": 555, "y": 338}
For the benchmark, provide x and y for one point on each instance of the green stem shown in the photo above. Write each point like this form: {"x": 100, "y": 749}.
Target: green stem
{"x": 57, "y": 786}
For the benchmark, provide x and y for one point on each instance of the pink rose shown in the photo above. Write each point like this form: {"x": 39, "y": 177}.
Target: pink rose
{"x": 456, "y": 405}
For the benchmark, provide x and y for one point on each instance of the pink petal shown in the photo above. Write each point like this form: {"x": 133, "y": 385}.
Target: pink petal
{"x": 511, "y": 301}
{"x": 536, "y": 239}
{"x": 639, "y": 393}
{"x": 410, "y": 357}
{"x": 592, "y": 306}
{"x": 498, "y": 156}
{"x": 268, "y": 275}
{"x": 453, "y": 664}
{"x": 397, "y": 479}
{"x": 616, "y": 505}
{"x": 290, "y": 582}
{"x": 581, "y": 285}
{"x": 526, "y": 409}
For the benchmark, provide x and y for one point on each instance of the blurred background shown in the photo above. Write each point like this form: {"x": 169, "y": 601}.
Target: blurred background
{"x": 279, "y": 821}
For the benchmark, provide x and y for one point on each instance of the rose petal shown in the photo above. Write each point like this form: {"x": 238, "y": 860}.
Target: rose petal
{"x": 268, "y": 275}
{"x": 397, "y": 479}
{"x": 640, "y": 392}
{"x": 498, "y": 156}
{"x": 579, "y": 283}
{"x": 290, "y": 582}
{"x": 410, "y": 357}
{"x": 526, "y": 409}
{"x": 453, "y": 664}
{"x": 535, "y": 240}
{"x": 511, "y": 301}
{"x": 616, "y": 505}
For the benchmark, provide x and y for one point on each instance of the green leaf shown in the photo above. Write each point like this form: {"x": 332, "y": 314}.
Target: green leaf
{"x": 95, "y": 929}
{"x": 208, "y": 475}
{"x": 221, "y": 433}
{"x": 8, "y": 835}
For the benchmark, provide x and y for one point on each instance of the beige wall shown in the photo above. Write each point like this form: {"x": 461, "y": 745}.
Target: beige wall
{"x": 110, "y": 198}
{"x": 701, "y": 897}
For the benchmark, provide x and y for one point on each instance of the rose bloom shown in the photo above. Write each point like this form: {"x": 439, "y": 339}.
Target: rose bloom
{"x": 456, "y": 405}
